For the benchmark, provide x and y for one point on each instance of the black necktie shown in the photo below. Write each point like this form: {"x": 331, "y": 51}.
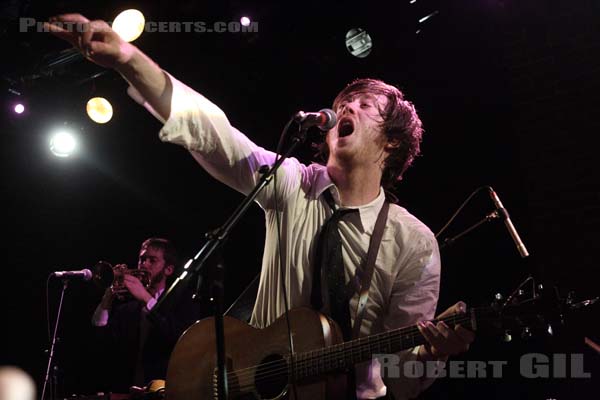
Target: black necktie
{"x": 328, "y": 258}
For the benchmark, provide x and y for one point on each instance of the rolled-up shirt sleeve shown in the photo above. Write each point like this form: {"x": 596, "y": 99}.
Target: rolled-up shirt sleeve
{"x": 100, "y": 316}
{"x": 201, "y": 127}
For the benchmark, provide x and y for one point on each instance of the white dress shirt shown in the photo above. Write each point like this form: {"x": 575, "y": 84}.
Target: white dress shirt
{"x": 406, "y": 276}
{"x": 101, "y": 315}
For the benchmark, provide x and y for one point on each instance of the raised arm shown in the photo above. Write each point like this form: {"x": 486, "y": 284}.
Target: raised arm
{"x": 103, "y": 46}
{"x": 191, "y": 120}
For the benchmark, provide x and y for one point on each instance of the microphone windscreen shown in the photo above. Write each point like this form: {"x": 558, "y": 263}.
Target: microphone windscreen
{"x": 331, "y": 119}
{"x": 87, "y": 274}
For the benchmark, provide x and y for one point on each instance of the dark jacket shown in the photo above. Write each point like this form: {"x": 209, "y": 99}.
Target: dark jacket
{"x": 121, "y": 339}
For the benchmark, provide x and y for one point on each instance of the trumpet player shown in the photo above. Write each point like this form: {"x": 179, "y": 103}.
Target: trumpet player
{"x": 136, "y": 348}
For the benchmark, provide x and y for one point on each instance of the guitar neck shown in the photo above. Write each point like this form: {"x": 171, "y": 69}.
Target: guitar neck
{"x": 345, "y": 355}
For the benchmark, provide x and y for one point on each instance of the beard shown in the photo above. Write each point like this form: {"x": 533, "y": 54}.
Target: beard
{"x": 156, "y": 279}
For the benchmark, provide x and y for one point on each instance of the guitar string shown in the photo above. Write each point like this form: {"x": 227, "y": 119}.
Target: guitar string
{"x": 282, "y": 366}
{"x": 374, "y": 339}
{"x": 335, "y": 354}
{"x": 275, "y": 373}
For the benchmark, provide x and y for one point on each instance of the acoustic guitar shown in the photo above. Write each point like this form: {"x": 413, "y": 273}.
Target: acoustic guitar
{"x": 259, "y": 365}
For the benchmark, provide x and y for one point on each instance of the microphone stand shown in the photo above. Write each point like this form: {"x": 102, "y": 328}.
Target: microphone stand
{"x": 491, "y": 216}
{"x": 53, "y": 343}
{"x": 216, "y": 238}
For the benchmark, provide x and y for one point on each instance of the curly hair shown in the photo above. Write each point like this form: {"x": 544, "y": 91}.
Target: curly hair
{"x": 401, "y": 126}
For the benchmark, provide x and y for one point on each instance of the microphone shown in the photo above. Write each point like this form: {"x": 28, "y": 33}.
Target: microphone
{"x": 86, "y": 274}
{"x": 324, "y": 119}
{"x": 509, "y": 225}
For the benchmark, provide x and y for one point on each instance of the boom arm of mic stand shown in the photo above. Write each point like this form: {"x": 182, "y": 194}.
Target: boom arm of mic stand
{"x": 491, "y": 216}
{"x": 215, "y": 240}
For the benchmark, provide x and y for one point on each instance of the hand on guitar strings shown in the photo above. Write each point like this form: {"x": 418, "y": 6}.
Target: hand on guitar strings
{"x": 443, "y": 341}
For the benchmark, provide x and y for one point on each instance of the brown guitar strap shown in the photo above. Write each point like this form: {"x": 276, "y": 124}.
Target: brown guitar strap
{"x": 365, "y": 284}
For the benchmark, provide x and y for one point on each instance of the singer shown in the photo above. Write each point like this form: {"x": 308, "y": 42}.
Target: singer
{"x": 376, "y": 138}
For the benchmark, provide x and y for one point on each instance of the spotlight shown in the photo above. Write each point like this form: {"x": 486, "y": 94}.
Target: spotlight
{"x": 129, "y": 24}
{"x": 245, "y": 21}
{"x": 62, "y": 144}
{"x": 358, "y": 42}
{"x": 19, "y": 108}
{"x": 99, "y": 110}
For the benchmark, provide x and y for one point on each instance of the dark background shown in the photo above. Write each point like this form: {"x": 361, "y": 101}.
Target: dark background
{"x": 507, "y": 91}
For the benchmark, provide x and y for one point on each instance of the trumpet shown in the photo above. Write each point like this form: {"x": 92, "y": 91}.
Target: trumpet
{"x": 106, "y": 276}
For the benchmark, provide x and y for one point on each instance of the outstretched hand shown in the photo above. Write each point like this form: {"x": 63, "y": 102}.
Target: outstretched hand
{"x": 95, "y": 39}
{"x": 442, "y": 341}
{"x": 103, "y": 46}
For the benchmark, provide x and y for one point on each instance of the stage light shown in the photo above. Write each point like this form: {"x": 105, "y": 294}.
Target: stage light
{"x": 358, "y": 43}
{"x": 19, "y": 108}
{"x": 425, "y": 18}
{"x": 62, "y": 144}
{"x": 129, "y": 24}
{"x": 245, "y": 21}
{"x": 99, "y": 110}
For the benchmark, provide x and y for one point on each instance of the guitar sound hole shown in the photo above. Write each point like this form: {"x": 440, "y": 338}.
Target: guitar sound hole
{"x": 271, "y": 376}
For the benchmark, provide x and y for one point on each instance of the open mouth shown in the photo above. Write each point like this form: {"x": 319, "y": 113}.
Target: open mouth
{"x": 345, "y": 127}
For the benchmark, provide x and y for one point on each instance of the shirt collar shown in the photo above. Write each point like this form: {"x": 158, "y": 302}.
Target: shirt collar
{"x": 368, "y": 213}
{"x": 322, "y": 182}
